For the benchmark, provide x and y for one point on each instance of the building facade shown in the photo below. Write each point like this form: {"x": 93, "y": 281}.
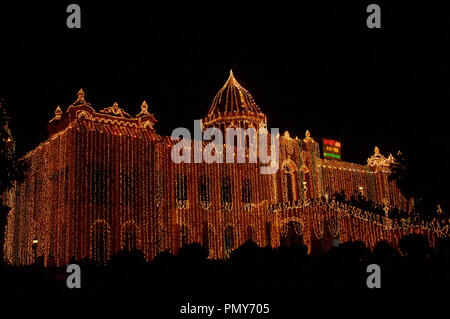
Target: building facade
{"x": 104, "y": 181}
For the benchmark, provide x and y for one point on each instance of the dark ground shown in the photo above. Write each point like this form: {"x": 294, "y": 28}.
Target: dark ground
{"x": 252, "y": 273}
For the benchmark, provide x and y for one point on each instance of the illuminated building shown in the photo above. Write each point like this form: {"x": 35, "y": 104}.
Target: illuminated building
{"x": 104, "y": 181}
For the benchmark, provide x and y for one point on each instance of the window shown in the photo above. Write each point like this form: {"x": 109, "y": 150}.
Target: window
{"x": 181, "y": 191}
{"x": 181, "y": 187}
{"x": 229, "y": 239}
{"x": 129, "y": 187}
{"x": 246, "y": 191}
{"x": 203, "y": 191}
{"x": 226, "y": 192}
{"x": 99, "y": 184}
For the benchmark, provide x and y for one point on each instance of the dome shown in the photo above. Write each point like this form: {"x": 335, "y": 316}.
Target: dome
{"x": 232, "y": 97}
{"x": 233, "y": 104}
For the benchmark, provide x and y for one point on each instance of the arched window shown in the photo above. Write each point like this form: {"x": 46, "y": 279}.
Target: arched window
{"x": 226, "y": 192}
{"x": 246, "y": 191}
{"x": 229, "y": 239}
{"x": 203, "y": 191}
{"x": 129, "y": 236}
{"x": 181, "y": 187}
{"x": 100, "y": 242}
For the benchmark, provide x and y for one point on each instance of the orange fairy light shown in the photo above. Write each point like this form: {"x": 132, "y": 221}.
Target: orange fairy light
{"x": 105, "y": 181}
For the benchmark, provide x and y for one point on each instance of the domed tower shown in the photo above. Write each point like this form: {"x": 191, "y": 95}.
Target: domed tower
{"x": 233, "y": 106}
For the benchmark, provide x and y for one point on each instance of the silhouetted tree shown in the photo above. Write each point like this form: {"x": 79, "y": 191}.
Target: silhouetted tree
{"x": 404, "y": 178}
{"x": 384, "y": 251}
{"x": 248, "y": 253}
{"x": 192, "y": 253}
{"x": 12, "y": 169}
{"x": 127, "y": 259}
{"x": 414, "y": 246}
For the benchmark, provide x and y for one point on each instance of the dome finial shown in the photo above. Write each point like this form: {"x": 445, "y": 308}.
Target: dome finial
{"x": 231, "y": 77}
{"x": 144, "y": 106}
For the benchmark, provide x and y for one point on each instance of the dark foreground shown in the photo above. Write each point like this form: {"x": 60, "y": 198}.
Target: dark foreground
{"x": 252, "y": 273}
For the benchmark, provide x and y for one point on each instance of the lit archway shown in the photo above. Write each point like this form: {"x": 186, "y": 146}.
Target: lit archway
{"x": 289, "y": 180}
{"x": 291, "y": 232}
{"x": 130, "y": 238}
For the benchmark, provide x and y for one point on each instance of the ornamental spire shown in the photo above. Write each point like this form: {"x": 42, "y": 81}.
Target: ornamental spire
{"x": 144, "y": 110}
{"x": 308, "y": 137}
{"x": 58, "y": 114}
{"x": 146, "y": 118}
{"x": 391, "y": 159}
{"x": 115, "y": 110}
{"x": 80, "y": 97}
{"x": 376, "y": 150}
{"x": 378, "y": 160}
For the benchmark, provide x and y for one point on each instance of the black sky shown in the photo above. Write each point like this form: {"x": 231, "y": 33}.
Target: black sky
{"x": 309, "y": 65}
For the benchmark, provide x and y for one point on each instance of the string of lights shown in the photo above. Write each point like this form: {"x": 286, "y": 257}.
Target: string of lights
{"x": 104, "y": 181}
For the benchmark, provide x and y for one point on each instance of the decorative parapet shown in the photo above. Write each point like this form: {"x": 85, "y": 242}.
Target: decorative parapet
{"x": 378, "y": 160}
{"x": 83, "y": 110}
{"x": 115, "y": 110}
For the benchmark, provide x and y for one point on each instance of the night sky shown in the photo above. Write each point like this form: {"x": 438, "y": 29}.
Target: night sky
{"x": 312, "y": 66}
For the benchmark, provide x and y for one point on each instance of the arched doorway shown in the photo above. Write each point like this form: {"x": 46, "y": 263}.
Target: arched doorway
{"x": 291, "y": 233}
{"x": 130, "y": 237}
